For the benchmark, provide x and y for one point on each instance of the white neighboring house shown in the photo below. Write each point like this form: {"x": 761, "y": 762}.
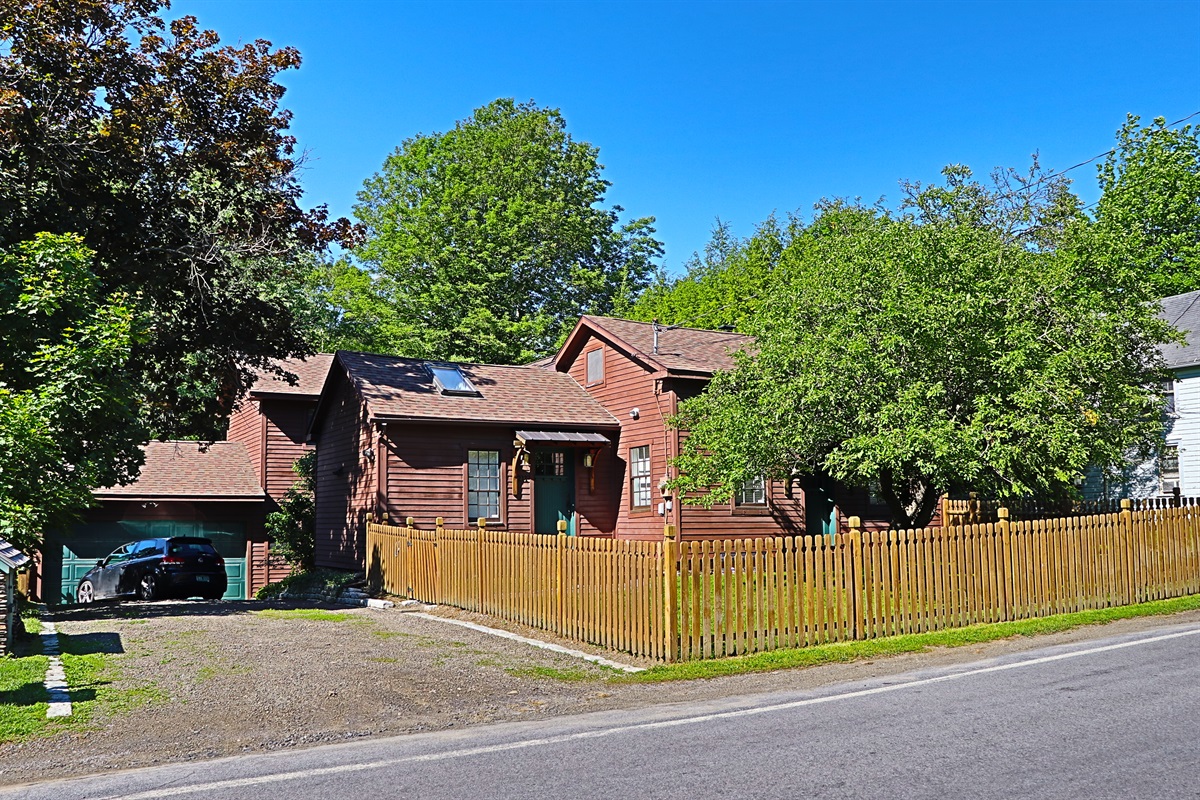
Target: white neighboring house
{"x": 1179, "y": 464}
{"x": 1181, "y": 456}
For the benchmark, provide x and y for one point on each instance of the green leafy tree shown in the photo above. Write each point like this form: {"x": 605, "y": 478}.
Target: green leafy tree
{"x": 722, "y": 287}
{"x": 169, "y": 154}
{"x": 982, "y": 337}
{"x": 1151, "y": 201}
{"x": 292, "y": 528}
{"x": 68, "y": 412}
{"x": 486, "y": 242}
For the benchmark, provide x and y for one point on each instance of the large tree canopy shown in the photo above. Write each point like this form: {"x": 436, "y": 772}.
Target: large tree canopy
{"x": 1151, "y": 200}
{"x": 169, "y": 154}
{"x": 979, "y": 338}
{"x": 68, "y": 416}
{"x": 486, "y": 241}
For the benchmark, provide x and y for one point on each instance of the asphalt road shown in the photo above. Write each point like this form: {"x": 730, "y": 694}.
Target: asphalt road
{"x": 1109, "y": 718}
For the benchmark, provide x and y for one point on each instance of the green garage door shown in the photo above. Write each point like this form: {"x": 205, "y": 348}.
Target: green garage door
{"x": 68, "y": 557}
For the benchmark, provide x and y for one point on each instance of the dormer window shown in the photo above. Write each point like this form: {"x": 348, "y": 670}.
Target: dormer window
{"x": 450, "y": 380}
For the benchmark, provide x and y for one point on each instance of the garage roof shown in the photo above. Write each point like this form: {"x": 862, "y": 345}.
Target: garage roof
{"x": 191, "y": 471}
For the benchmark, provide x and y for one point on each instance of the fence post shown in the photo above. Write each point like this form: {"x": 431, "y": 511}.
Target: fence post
{"x": 670, "y": 556}
{"x": 1005, "y": 563}
{"x": 560, "y": 552}
{"x": 854, "y": 597}
{"x": 1132, "y": 554}
{"x": 480, "y": 572}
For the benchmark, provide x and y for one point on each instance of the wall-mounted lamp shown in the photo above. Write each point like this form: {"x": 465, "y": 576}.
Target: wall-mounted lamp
{"x": 635, "y": 412}
{"x": 589, "y": 460}
{"x": 369, "y": 454}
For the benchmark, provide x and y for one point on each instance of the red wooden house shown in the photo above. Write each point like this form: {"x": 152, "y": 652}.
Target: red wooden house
{"x": 582, "y": 437}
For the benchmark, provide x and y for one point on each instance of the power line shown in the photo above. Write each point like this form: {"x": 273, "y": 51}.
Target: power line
{"x": 1094, "y": 158}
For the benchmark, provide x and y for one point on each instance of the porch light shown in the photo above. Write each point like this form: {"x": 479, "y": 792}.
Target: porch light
{"x": 588, "y": 460}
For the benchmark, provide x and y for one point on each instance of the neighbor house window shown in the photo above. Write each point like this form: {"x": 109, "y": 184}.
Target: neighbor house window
{"x": 595, "y": 367}
{"x": 1168, "y": 468}
{"x": 752, "y": 492}
{"x": 483, "y": 484}
{"x": 639, "y": 476}
{"x": 1168, "y": 393}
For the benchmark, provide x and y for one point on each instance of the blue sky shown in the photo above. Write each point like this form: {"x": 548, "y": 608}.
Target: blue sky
{"x": 732, "y": 110}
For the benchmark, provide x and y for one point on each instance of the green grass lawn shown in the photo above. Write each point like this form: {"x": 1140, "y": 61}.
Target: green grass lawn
{"x": 23, "y": 700}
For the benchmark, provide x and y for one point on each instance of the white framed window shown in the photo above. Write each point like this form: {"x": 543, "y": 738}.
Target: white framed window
{"x": 1168, "y": 393}
{"x": 752, "y": 492}
{"x": 483, "y": 484}
{"x": 595, "y": 367}
{"x": 639, "y": 476}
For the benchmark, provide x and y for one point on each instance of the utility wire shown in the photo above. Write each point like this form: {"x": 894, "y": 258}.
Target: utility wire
{"x": 1108, "y": 152}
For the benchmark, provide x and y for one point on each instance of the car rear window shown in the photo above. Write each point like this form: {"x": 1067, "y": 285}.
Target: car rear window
{"x": 192, "y": 548}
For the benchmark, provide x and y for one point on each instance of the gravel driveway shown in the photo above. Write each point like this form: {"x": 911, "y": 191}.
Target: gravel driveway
{"x": 217, "y": 679}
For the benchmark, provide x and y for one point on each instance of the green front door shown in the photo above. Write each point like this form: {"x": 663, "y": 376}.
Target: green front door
{"x": 819, "y": 505}
{"x": 553, "y": 490}
{"x": 69, "y": 556}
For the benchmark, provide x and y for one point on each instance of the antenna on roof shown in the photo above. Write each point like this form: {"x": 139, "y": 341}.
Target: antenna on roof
{"x": 657, "y": 327}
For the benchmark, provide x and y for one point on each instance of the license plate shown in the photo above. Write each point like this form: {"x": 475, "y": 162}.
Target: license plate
{"x": 202, "y": 579}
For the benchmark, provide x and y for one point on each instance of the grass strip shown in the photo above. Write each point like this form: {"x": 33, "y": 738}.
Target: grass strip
{"x": 315, "y": 614}
{"x": 843, "y": 652}
{"x": 23, "y": 699}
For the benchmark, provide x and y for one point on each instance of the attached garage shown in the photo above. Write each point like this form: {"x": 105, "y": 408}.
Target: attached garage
{"x": 185, "y": 489}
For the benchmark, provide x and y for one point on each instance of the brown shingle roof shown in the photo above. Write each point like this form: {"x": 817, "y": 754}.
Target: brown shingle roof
{"x": 310, "y": 377}
{"x": 209, "y": 471}
{"x": 680, "y": 350}
{"x": 402, "y": 388}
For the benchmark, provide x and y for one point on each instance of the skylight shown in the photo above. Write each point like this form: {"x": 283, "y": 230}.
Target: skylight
{"x": 450, "y": 380}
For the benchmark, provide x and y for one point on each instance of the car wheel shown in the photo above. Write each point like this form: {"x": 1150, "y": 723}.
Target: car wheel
{"x": 86, "y": 593}
{"x": 148, "y": 589}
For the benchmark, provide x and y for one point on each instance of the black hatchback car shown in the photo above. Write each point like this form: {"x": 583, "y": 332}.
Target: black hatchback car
{"x": 182, "y": 566}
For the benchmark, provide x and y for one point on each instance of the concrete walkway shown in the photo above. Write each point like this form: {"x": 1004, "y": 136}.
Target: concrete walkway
{"x": 56, "y": 679}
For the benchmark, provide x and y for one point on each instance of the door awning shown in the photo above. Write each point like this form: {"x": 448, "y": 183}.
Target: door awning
{"x": 562, "y": 438}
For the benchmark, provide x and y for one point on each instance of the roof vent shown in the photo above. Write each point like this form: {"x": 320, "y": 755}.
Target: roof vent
{"x": 450, "y": 380}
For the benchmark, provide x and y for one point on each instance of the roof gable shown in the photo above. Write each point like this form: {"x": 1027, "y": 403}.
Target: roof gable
{"x": 680, "y": 351}
{"x": 396, "y": 388}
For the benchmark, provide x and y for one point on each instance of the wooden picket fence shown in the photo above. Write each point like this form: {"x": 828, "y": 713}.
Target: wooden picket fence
{"x": 674, "y": 600}
{"x": 973, "y": 510}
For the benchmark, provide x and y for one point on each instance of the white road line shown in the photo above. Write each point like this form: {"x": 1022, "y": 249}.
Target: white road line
{"x": 238, "y": 783}
{"x": 533, "y": 642}
{"x": 56, "y": 679}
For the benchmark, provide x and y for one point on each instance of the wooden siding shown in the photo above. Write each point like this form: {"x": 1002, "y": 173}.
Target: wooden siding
{"x": 246, "y": 426}
{"x": 345, "y": 481}
{"x": 262, "y": 567}
{"x": 626, "y": 386}
{"x": 286, "y": 430}
{"x": 274, "y": 432}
